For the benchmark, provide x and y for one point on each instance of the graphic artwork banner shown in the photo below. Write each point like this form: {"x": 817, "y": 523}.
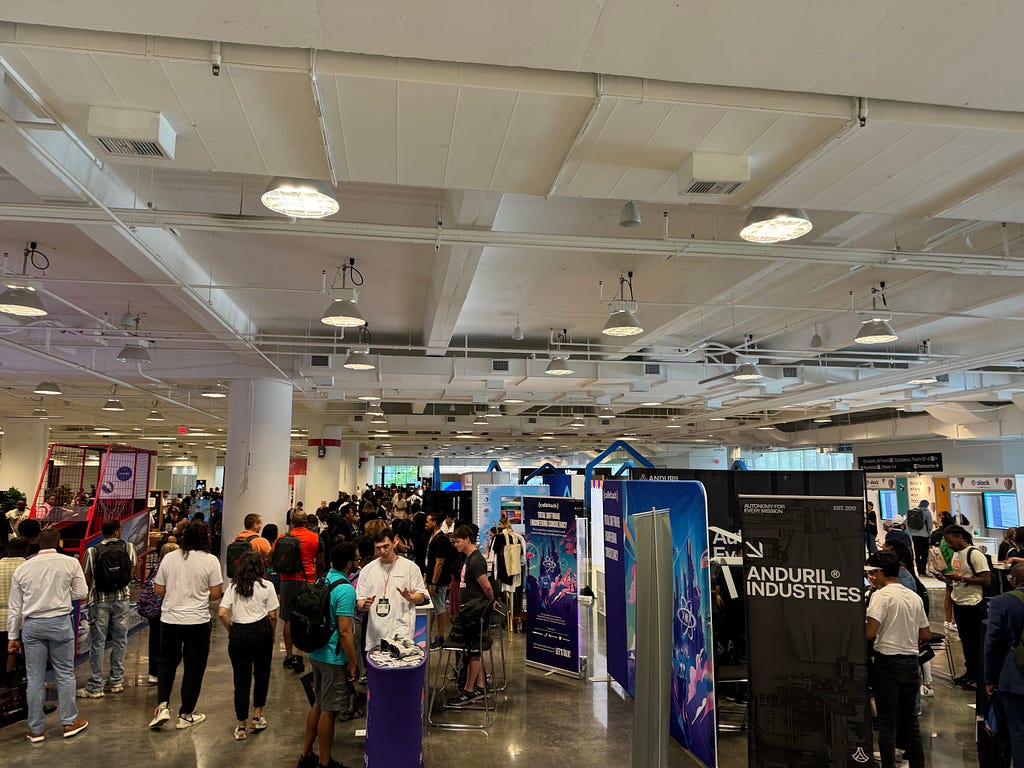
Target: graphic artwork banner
{"x": 692, "y": 721}
{"x": 488, "y": 499}
{"x": 804, "y": 584}
{"x": 552, "y": 581}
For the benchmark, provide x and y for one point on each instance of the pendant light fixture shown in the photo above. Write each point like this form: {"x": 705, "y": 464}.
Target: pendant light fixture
{"x": 216, "y": 392}
{"x": 876, "y": 329}
{"x": 630, "y": 215}
{"x": 300, "y": 198}
{"x": 131, "y": 353}
{"x": 816, "y": 342}
{"x": 113, "y": 404}
{"x": 40, "y": 413}
{"x": 517, "y": 332}
{"x": 748, "y": 372}
{"x": 775, "y": 225}
{"x": 559, "y": 365}
{"x": 48, "y": 388}
{"x": 359, "y": 358}
{"x": 20, "y": 298}
{"x": 343, "y": 311}
{"x": 622, "y": 320}
{"x": 155, "y": 415}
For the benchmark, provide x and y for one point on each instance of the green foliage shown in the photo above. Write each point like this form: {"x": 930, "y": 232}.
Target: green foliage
{"x": 10, "y": 497}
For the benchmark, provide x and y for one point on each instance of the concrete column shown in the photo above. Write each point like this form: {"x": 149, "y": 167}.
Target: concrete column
{"x": 322, "y": 473}
{"x": 368, "y": 472}
{"x": 25, "y": 444}
{"x": 207, "y": 466}
{"x": 256, "y": 466}
{"x": 348, "y": 480}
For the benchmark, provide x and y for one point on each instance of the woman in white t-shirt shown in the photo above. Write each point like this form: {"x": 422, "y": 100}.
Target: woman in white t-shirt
{"x": 249, "y": 611}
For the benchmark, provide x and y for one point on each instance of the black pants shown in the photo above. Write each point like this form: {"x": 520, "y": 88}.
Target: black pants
{"x": 188, "y": 642}
{"x": 896, "y": 685}
{"x": 968, "y": 626}
{"x": 920, "y": 553}
{"x": 154, "y": 647}
{"x": 250, "y": 647}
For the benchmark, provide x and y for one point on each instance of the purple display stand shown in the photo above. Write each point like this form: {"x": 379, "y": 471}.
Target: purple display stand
{"x": 394, "y": 716}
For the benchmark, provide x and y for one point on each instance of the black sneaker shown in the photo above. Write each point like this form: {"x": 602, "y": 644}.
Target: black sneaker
{"x": 308, "y": 761}
{"x": 333, "y": 764}
{"x": 298, "y": 666}
{"x": 436, "y": 643}
{"x": 464, "y": 698}
{"x": 289, "y": 662}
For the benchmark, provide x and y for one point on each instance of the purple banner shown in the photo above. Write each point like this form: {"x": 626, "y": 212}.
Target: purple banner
{"x": 615, "y": 581}
{"x": 552, "y": 575}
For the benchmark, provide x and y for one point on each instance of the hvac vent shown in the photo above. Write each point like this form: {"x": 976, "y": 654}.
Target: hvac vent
{"x": 712, "y": 187}
{"x": 319, "y": 361}
{"x": 499, "y": 366}
{"x": 132, "y": 133}
{"x": 450, "y": 419}
{"x": 531, "y": 420}
{"x": 357, "y": 417}
{"x": 652, "y": 369}
{"x": 789, "y": 372}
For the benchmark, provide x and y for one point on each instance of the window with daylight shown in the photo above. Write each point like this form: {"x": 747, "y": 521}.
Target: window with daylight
{"x": 809, "y": 458}
{"x": 400, "y": 474}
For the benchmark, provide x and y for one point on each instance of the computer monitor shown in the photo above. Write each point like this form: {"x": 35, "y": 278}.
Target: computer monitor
{"x": 887, "y": 506}
{"x": 1000, "y": 509}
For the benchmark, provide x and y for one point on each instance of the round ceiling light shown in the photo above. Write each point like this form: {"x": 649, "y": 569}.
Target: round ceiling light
{"x": 748, "y": 372}
{"x": 343, "y": 313}
{"x": 359, "y": 359}
{"x": 47, "y": 388}
{"x": 622, "y": 323}
{"x": 113, "y": 404}
{"x": 22, "y": 301}
{"x": 300, "y": 198}
{"x": 775, "y": 225}
{"x": 155, "y": 416}
{"x": 558, "y": 366}
{"x": 875, "y": 331}
{"x": 133, "y": 354}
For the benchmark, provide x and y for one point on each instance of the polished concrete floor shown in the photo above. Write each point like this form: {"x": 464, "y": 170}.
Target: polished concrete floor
{"x": 542, "y": 720}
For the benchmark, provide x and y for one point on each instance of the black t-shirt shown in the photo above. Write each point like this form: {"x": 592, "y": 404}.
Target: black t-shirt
{"x": 440, "y": 547}
{"x": 471, "y": 594}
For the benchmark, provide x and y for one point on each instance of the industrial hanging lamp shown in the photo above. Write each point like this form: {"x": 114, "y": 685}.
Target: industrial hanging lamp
{"x": 775, "y": 225}
{"x": 559, "y": 365}
{"x": 630, "y": 215}
{"x": 300, "y": 198}
{"x": 748, "y": 372}
{"x": 343, "y": 311}
{"x": 517, "y": 332}
{"x": 876, "y": 329}
{"x": 359, "y": 358}
{"x": 132, "y": 353}
{"x": 20, "y": 298}
{"x": 113, "y": 404}
{"x": 622, "y": 320}
{"x": 47, "y": 388}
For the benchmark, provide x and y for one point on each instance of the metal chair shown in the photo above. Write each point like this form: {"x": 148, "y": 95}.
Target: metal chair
{"x": 451, "y": 656}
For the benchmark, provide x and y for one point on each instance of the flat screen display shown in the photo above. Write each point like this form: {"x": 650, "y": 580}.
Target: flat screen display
{"x": 451, "y": 485}
{"x": 887, "y": 504}
{"x": 1000, "y": 510}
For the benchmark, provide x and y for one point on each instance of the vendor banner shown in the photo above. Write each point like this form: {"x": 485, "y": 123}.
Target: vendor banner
{"x": 489, "y": 501}
{"x": 552, "y": 582}
{"x": 616, "y": 548}
{"x": 804, "y": 584}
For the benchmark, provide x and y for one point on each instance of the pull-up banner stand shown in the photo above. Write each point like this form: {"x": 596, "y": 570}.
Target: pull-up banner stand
{"x": 552, "y": 584}
{"x": 654, "y": 612}
{"x": 804, "y": 580}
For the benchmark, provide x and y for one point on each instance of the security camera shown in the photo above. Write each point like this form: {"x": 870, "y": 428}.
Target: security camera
{"x": 215, "y": 60}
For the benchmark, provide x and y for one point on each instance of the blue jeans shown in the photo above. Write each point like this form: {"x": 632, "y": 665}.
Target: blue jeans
{"x": 54, "y": 638}
{"x": 104, "y": 616}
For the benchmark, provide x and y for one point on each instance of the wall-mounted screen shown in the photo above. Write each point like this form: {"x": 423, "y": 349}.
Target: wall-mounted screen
{"x": 888, "y": 507}
{"x": 1000, "y": 510}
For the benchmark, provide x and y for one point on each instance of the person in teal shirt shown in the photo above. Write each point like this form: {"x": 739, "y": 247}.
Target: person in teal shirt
{"x": 334, "y": 665}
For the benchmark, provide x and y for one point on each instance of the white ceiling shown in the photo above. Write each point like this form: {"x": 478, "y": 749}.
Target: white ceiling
{"x": 523, "y": 129}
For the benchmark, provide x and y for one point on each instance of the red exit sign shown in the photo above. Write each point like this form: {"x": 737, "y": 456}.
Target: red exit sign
{"x": 182, "y": 430}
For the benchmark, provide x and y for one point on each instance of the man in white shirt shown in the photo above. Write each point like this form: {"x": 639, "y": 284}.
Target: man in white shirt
{"x": 897, "y": 623}
{"x": 389, "y": 590}
{"x": 39, "y": 620}
{"x": 108, "y": 567}
{"x": 15, "y": 515}
{"x": 188, "y": 579}
{"x": 966, "y": 584}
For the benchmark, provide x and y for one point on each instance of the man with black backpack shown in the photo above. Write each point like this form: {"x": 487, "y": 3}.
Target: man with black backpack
{"x": 298, "y": 557}
{"x": 919, "y": 525}
{"x": 966, "y": 582}
{"x": 108, "y": 571}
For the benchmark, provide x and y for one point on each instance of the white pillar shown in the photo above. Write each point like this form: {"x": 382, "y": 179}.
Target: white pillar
{"x": 21, "y": 465}
{"x": 367, "y": 472}
{"x": 256, "y": 466}
{"x": 322, "y": 473}
{"x": 348, "y": 480}
{"x": 207, "y": 467}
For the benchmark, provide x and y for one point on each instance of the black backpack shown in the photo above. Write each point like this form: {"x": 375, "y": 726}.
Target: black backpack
{"x": 112, "y": 568}
{"x": 287, "y": 556}
{"x": 312, "y": 621}
{"x": 915, "y": 518}
{"x": 994, "y": 586}
{"x": 235, "y": 550}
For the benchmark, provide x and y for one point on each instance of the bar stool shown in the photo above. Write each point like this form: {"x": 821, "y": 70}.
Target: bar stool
{"x": 447, "y": 671}
{"x": 499, "y": 617}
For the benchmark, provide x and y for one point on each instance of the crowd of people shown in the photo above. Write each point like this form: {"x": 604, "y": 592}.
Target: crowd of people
{"x": 990, "y": 626}
{"x": 379, "y": 554}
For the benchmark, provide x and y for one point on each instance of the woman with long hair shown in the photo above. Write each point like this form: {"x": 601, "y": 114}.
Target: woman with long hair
{"x": 249, "y": 612}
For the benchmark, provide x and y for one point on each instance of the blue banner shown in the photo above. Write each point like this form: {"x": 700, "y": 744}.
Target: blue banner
{"x": 552, "y": 581}
{"x": 692, "y": 721}
{"x": 493, "y": 501}
{"x": 560, "y": 485}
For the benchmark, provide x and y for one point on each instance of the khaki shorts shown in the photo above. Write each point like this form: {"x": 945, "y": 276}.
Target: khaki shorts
{"x": 331, "y": 687}
{"x": 439, "y": 601}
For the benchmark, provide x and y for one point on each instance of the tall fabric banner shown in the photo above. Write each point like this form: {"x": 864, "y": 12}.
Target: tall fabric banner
{"x": 803, "y": 567}
{"x": 552, "y": 582}
{"x": 692, "y": 721}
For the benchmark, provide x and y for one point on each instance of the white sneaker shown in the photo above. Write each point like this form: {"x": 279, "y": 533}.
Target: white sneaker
{"x": 187, "y": 721}
{"x": 949, "y": 626}
{"x": 85, "y": 693}
{"x": 118, "y": 688}
{"x": 152, "y": 680}
{"x": 927, "y": 690}
{"x": 160, "y": 716}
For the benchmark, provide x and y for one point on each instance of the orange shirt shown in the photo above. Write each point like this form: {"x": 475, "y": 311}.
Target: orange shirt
{"x": 309, "y": 547}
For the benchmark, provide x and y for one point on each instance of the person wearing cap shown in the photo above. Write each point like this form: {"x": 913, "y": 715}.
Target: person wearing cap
{"x": 897, "y": 624}
{"x": 897, "y": 531}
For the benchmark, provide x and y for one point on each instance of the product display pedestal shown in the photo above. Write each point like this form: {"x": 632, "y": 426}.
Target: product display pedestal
{"x": 394, "y": 713}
